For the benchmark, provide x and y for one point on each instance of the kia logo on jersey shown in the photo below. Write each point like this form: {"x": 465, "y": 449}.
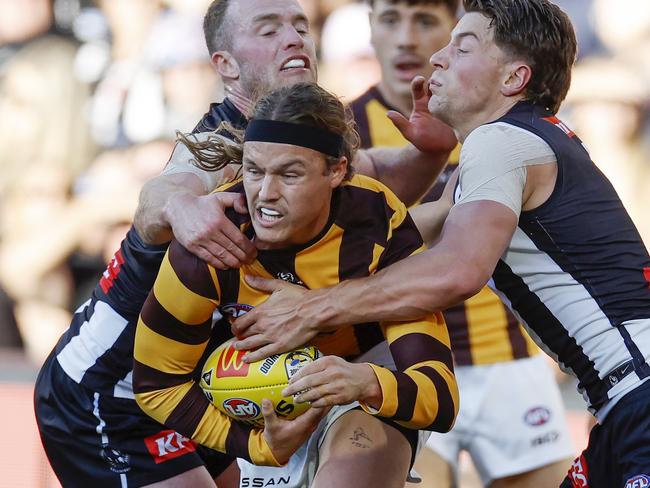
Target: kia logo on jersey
{"x": 537, "y": 416}
{"x": 168, "y": 444}
{"x": 639, "y": 481}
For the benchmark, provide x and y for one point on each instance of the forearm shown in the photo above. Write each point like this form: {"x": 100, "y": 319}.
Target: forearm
{"x": 406, "y": 171}
{"x": 406, "y": 290}
{"x": 151, "y": 217}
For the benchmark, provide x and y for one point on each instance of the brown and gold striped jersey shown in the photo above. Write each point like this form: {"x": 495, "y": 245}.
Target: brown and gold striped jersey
{"x": 482, "y": 329}
{"x": 368, "y": 229}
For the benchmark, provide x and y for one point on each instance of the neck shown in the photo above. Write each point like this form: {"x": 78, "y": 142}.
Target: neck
{"x": 488, "y": 114}
{"x": 239, "y": 99}
{"x": 402, "y": 103}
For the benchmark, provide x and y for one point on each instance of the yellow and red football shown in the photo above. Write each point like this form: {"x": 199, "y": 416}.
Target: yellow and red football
{"x": 237, "y": 388}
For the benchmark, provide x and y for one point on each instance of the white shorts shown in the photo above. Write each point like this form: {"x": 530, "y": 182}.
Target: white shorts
{"x": 511, "y": 419}
{"x": 301, "y": 468}
{"x": 299, "y": 472}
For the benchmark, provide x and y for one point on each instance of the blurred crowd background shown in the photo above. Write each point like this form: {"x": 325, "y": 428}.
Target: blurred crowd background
{"x": 92, "y": 92}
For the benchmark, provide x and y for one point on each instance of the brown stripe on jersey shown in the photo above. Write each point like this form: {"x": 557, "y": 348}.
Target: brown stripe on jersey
{"x": 458, "y": 327}
{"x": 407, "y": 392}
{"x": 358, "y": 107}
{"x": 237, "y": 440}
{"x": 187, "y": 415}
{"x": 405, "y": 241}
{"x": 281, "y": 264}
{"x": 368, "y": 335}
{"x": 146, "y": 378}
{"x": 417, "y": 348}
{"x": 517, "y": 339}
{"x": 194, "y": 271}
{"x": 229, "y": 285}
{"x": 158, "y": 319}
{"x": 362, "y": 218}
{"x": 446, "y": 410}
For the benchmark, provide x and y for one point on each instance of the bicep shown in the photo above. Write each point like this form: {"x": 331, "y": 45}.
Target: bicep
{"x": 478, "y": 232}
{"x": 182, "y": 162}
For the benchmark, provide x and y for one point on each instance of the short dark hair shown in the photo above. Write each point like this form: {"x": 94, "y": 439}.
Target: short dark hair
{"x": 451, "y": 5}
{"x": 542, "y": 34}
{"x": 213, "y": 26}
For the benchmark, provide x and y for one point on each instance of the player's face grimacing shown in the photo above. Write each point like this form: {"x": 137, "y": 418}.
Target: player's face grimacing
{"x": 404, "y": 36}
{"x": 272, "y": 42}
{"x": 288, "y": 191}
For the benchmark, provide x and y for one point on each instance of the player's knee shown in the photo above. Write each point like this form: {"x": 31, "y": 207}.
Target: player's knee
{"x": 358, "y": 435}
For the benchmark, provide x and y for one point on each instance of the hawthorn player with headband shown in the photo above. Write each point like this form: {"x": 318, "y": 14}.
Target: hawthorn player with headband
{"x": 314, "y": 225}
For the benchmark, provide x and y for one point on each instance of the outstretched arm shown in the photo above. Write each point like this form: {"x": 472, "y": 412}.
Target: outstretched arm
{"x": 473, "y": 239}
{"x": 411, "y": 170}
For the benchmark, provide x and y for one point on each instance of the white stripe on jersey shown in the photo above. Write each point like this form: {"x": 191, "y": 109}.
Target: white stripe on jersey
{"x": 96, "y": 336}
{"x": 574, "y": 307}
{"x": 124, "y": 387}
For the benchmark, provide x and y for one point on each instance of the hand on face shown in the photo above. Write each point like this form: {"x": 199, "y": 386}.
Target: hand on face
{"x": 332, "y": 380}
{"x": 422, "y": 129}
{"x": 201, "y": 226}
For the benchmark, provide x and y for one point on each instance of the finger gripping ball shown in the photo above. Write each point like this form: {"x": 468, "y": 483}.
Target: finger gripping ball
{"x": 237, "y": 388}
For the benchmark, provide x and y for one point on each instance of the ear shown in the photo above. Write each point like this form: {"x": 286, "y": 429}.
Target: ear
{"x": 338, "y": 171}
{"x": 226, "y": 65}
{"x": 518, "y": 76}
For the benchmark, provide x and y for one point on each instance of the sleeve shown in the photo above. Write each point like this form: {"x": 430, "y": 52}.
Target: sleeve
{"x": 181, "y": 161}
{"x": 172, "y": 333}
{"x": 422, "y": 393}
{"x": 494, "y": 161}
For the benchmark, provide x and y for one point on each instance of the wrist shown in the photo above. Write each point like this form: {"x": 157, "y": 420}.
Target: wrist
{"x": 372, "y": 395}
{"x": 318, "y": 310}
{"x": 175, "y": 201}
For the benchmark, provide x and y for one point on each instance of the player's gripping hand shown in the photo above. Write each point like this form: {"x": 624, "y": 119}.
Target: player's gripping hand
{"x": 284, "y": 437}
{"x": 423, "y": 130}
{"x": 332, "y": 380}
{"x": 275, "y": 326}
{"x": 199, "y": 223}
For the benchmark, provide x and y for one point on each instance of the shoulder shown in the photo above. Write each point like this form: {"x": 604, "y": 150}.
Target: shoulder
{"x": 501, "y": 143}
{"x": 361, "y": 185}
{"x": 367, "y": 203}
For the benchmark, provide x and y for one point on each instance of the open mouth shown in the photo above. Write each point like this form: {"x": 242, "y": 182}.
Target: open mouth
{"x": 268, "y": 215}
{"x": 299, "y": 62}
{"x": 407, "y": 70}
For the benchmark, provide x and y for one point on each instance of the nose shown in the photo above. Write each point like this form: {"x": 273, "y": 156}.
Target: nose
{"x": 405, "y": 34}
{"x": 293, "y": 38}
{"x": 269, "y": 188}
{"x": 439, "y": 59}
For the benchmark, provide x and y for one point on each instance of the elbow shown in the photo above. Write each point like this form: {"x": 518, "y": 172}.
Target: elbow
{"x": 464, "y": 284}
{"x": 447, "y": 411}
